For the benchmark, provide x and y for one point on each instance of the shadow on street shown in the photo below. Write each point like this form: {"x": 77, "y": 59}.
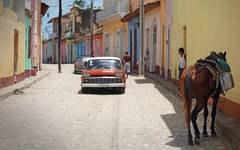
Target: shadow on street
{"x": 176, "y": 122}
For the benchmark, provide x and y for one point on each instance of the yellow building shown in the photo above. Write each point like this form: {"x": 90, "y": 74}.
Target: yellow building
{"x": 115, "y": 32}
{"x": 12, "y": 38}
{"x": 202, "y": 26}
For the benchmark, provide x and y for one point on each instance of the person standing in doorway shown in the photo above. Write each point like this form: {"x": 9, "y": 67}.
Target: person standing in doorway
{"x": 126, "y": 61}
{"x": 182, "y": 62}
{"x": 147, "y": 61}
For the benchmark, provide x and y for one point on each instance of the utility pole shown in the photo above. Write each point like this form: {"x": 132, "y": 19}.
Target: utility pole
{"x": 91, "y": 27}
{"x": 53, "y": 45}
{"x": 141, "y": 66}
{"x": 59, "y": 37}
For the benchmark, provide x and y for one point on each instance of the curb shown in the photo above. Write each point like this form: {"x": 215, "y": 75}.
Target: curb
{"x": 24, "y": 86}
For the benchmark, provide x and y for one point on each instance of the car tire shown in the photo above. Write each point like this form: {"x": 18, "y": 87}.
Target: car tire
{"x": 84, "y": 90}
{"x": 122, "y": 90}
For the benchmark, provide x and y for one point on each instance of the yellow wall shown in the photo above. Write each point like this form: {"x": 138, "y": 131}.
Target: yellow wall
{"x": 211, "y": 25}
{"x": 112, "y": 27}
{"x": 8, "y": 22}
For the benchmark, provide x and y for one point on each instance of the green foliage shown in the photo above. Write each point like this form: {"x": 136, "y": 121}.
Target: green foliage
{"x": 79, "y": 3}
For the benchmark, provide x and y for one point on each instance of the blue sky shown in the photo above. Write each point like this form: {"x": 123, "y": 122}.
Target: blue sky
{"x": 53, "y": 12}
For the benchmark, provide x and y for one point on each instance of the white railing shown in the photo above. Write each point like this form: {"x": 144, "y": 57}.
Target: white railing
{"x": 110, "y": 11}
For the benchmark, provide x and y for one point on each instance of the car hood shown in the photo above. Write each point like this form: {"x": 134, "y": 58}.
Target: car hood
{"x": 102, "y": 72}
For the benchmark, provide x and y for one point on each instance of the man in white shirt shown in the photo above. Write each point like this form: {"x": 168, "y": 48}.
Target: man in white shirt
{"x": 182, "y": 63}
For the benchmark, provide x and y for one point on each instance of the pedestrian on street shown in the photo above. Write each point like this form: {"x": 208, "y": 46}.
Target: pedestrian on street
{"x": 182, "y": 62}
{"x": 126, "y": 61}
{"x": 92, "y": 54}
{"x": 50, "y": 60}
{"x": 147, "y": 59}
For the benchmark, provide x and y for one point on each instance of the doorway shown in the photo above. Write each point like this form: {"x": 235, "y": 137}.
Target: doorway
{"x": 154, "y": 48}
{"x": 131, "y": 44}
{"x": 16, "y": 34}
{"x": 135, "y": 47}
{"x": 185, "y": 41}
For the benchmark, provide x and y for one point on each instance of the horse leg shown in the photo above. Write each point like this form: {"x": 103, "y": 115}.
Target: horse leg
{"x": 188, "y": 122}
{"x": 205, "y": 115}
{"x": 214, "y": 109}
{"x": 187, "y": 108}
{"x": 194, "y": 116}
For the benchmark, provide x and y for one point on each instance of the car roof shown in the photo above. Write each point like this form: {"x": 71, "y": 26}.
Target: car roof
{"x": 81, "y": 57}
{"x": 104, "y": 58}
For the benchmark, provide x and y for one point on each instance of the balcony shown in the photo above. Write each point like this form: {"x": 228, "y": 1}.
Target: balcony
{"x": 53, "y": 35}
{"x": 69, "y": 35}
{"x": 111, "y": 14}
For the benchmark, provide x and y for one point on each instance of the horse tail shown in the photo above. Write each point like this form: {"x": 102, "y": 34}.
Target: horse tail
{"x": 187, "y": 84}
{"x": 187, "y": 98}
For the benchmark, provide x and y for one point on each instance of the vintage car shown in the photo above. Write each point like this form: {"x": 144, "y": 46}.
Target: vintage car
{"x": 79, "y": 64}
{"x": 103, "y": 72}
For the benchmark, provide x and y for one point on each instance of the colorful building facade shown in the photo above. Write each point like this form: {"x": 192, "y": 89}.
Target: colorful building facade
{"x": 214, "y": 29}
{"x": 156, "y": 36}
{"x": 12, "y": 52}
{"x": 15, "y": 30}
{"x": 114, "y": 31}
{"x": 75, "y": 41}
{"x": 28, "y": 13}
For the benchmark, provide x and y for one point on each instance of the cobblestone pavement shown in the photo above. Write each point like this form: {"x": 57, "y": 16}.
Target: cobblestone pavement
{"x": 53, "y": 115}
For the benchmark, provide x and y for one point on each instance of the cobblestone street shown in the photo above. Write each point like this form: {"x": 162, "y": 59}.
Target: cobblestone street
{"x": 53, "y": 115}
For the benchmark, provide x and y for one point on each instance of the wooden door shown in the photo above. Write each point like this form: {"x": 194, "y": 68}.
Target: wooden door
{"x": 135, "y": 46}
{"x": 131, "y": 44}
{"x": 15, "y": 51}
{"x": 154, "y": 48}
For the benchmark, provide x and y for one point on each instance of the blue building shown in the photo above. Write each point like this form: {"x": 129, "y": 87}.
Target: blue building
{"x": 133, "y": 39}
{"x": 81, "y": 48}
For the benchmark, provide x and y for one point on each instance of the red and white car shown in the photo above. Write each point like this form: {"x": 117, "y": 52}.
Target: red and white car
{"x": 79, "y": 64}
{"x": 103, "y": 72}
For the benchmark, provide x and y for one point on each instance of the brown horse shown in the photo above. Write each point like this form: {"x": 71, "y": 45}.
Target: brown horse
{"x": 199, "y": 83}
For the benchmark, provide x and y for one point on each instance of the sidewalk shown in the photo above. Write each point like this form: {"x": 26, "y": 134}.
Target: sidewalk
{"x": 229, "y": 127}
{"x": 8, "y": 91}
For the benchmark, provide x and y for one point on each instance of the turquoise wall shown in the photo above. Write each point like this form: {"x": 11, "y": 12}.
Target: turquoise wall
{"x": 27, "y": 63}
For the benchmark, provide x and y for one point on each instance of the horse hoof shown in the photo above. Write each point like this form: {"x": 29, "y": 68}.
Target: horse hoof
{"x": 205, "y": 134}
{"x": 213, "y": 134}
{"x": 197, "y": 141}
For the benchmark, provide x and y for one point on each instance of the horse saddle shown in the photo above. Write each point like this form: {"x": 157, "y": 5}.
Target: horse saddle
{"x": 210, "y": 66}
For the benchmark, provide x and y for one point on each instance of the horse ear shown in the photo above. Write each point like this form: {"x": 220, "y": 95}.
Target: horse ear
{"x": 224, "y": 54}
{"x": 213, "y": 53}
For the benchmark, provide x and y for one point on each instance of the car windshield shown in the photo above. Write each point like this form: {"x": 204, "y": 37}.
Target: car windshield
{"x": 104, "y": 64}
{"x": 82, "y": 59}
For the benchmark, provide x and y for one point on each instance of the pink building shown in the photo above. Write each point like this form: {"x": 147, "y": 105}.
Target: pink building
{"x": 97, "y": 43}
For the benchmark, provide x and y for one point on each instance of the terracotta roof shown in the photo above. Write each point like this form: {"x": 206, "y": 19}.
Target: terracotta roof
{"x": 147, "y": 7}
{"x": 56, "y": 18}
{"x": 44, "y": 8}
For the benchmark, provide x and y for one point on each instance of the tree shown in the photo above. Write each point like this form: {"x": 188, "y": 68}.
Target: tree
{"x": 79, "y": 3}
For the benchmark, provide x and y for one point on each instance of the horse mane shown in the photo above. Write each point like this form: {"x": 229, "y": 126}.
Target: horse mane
{"x": 213, "y": 56}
